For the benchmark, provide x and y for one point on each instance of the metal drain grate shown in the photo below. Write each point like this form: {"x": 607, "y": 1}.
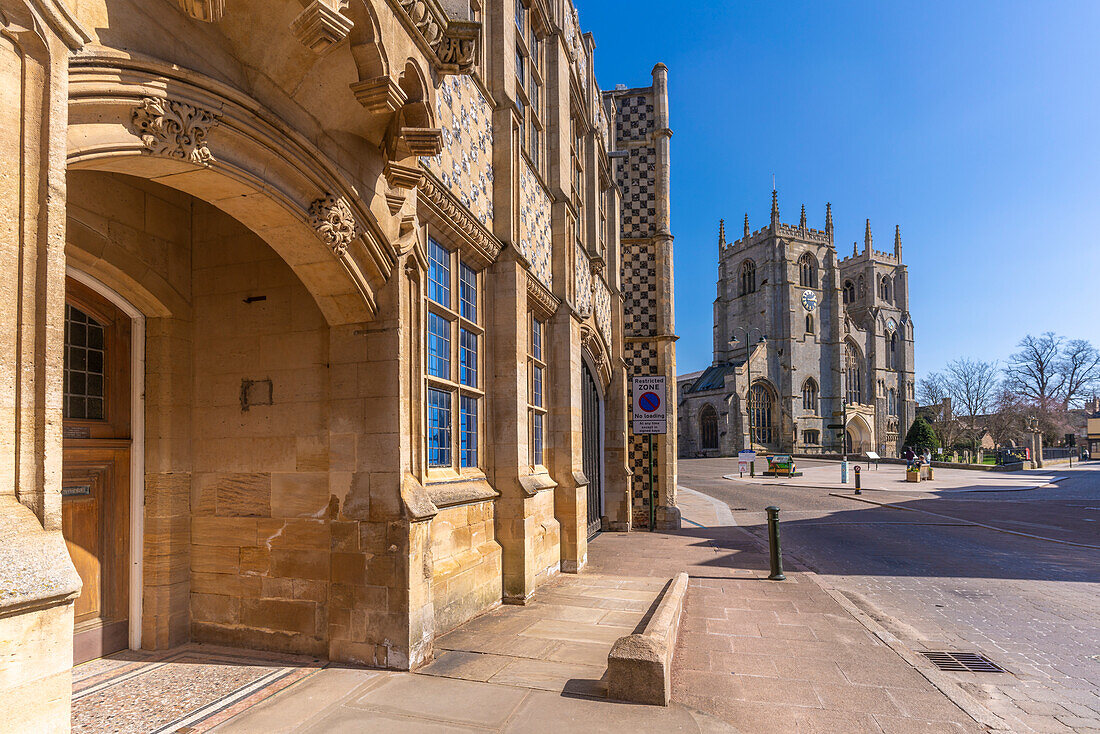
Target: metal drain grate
{"x": 963, "y": 662}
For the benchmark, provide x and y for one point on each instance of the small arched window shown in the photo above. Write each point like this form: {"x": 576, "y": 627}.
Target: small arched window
{"x": 892, "y": 351}
{"x": 811, "y": 437}
{"x": 849, "y": 292}
{"x": 807, "y": 271}
{"x": 809, "y": 395}
{"x": 892, "y": 402}
{"x": 862, "y": 287}
{"x": 708, "y": 428}
{"x": 809, "y": 323}
{"x": 884, "y": 289}
{"x": 748, "y": 277}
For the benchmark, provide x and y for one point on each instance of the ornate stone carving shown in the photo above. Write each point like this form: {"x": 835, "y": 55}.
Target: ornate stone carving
{"x": 380, "y": 94}
{"x": 422, "y": 141}
{"x": 447, "y": 207}
{"x": 319, "y": 27}
{"x": 210, "y": 11}
{"x": 540, "y": 299}
{"x": 453, "y": 42}
{"x": 335, "y": 223}
{"x": 174, "y": 129}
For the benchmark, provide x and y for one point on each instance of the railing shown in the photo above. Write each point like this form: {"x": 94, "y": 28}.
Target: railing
{"x": 1056, "y": 453}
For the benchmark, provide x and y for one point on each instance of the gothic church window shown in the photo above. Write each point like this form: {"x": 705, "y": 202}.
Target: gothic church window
{"x": 809, "y": 395}
{"x": 853, "y": 381}
{"x": 708, "y": 428}
{"x": 884, "y": 289}
{"x": 809, "y": 323}
{"x": 849, "y": 292}
{"x": 760, "y": 413}
{"x": 748, "y": 277}
{"x": 892, "y": 351}
{"x": 807, "y": 271}
{"x": 892, "y": 402}
{"x": 862, "y": 287}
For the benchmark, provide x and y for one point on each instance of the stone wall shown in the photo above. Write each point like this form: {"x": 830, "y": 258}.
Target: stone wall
{"x": 465, "y": 564}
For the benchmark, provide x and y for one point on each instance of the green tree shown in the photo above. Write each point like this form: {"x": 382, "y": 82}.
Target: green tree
{"x": 921, "y": 436}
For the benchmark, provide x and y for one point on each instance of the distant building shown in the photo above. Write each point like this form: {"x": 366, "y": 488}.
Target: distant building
{"x": 812, "y": 353}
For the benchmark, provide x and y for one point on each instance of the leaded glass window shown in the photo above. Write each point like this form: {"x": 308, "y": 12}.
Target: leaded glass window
{"x": 85, "y": 366}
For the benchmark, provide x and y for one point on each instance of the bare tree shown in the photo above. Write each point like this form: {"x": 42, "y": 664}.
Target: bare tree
{"x": 1034, "y": 372}
{"x": 972, "y": 384}
{"x": 1079, "y": 369}
{"x": 932, "y": 389}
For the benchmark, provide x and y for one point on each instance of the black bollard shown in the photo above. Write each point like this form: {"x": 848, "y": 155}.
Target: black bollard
{"x": 773, "y": 543}
{"x": 857, "y": 481}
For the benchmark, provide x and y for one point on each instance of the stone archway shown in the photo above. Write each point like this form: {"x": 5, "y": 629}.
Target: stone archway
{"x": 198, "y": 136}
{"x": 858, "y": 436}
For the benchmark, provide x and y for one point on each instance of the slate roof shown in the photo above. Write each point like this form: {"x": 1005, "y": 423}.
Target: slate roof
{"x": 714, "y": 377}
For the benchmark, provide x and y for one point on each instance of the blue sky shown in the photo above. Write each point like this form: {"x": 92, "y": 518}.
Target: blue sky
{"x": 974, "y": 125}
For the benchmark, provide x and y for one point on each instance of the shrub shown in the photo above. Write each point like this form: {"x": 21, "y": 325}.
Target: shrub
{"x": 921, "y": 436}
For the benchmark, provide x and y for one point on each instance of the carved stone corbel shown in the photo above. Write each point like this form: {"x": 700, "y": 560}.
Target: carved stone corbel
{"x": 422, "y": 141}
{"x": 380, "y": 95}
{"x": 321, "y": 25}
{"x": 400, "y": 176}
{"x": 209, "y": 11}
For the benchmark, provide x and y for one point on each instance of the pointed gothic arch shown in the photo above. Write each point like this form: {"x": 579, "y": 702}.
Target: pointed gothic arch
{"x": 853, "y": 373}
{"x": 708, "y": 428}
{"x": 807, "y": 270}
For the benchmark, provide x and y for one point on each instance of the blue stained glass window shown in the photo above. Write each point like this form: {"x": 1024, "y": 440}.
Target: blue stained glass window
{"x": 536, "y": 438}
{"x": 469, "y": 432}
{"x": 439, "y": 274}
{"x": 467, "y": 293}
{"x": 439, "y": 427}
{"x": 536, "y": 339}
{"x": 439, "y": 346}
{"x": 468, "y": 358}
{"x": 536, "y": 386}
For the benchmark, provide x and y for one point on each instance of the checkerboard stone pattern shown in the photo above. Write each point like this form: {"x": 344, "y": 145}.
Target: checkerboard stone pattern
{"x": 635, "y": 117}
{"x": 639, "y": 284}
{"x": 639, "y": 207}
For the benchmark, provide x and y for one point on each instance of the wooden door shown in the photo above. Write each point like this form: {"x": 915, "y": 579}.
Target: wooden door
{"x": 95, "y": 507}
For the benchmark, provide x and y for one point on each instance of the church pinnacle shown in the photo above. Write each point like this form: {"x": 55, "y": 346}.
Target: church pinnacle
{"x": 829, "y": 220}
{"x": 802, "y": 220}
{"x": 868, "y": 241}
{"x": 721, "y": 234}
{"x": 747, "y": 230}
{"x": 775, "y": 210}
{"x": 897, "y": 242}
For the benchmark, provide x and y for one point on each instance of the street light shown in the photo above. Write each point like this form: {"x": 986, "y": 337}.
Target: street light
{"x": 747, "y": 331}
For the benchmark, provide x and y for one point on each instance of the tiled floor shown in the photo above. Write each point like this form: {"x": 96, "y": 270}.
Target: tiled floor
{"x": 191, "y": 688}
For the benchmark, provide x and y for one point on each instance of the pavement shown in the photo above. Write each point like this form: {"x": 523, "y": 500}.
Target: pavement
{"x": 1012, "y": 574}
{"x": 891, "y": 478}
{"x": 753, "y": 655}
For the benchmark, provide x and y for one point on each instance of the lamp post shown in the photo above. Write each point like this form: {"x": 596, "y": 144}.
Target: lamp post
{"x": 748, "y": 331}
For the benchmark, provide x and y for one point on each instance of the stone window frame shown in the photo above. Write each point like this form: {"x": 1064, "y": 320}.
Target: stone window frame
{"x": 748, "y": 277}
{"x": 892, "y": 350}
{"x": 853, "y": 374}
{"x": 884, "y": 288}
{"x": 530, "y": 86}
{"x": 810, "y": 324}
{"x": 708, "y": 428}
{"x": 463, "y": 317}
{"x": 811, "y": 437}
{"x": 577, "y": 135}
{"x": 762, "y": 406}
{"x": 811, "y": 396}
{"x": 807, "y": 271}
{"x": 849, "y": 291}
{"x": 536, "y": 401}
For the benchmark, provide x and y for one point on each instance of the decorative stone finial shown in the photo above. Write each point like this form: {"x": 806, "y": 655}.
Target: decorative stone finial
{"x": 721, "y": 234}
{"x": 802, "y": 219}
{"x": 829, "y": 219}
{"x": 747, "y": 230}
{"x": 775, "y": 210}
{"x": 897, "y": 242}
{"x": 868, "y": 241}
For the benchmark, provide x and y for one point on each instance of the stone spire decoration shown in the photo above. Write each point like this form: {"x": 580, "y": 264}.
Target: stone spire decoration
{"x": 855, "y": 249}
{"x": 775, "y": 210}
{"x": 897, "y": 242}
{"x": 868, "y": 241}
{"x": 829, "y": 220}
{"x": 747, "y": 230}
{"x": 721, "y": 234}
{"x": 802, "y": 219}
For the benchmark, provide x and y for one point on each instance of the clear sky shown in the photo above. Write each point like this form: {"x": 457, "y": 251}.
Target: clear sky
{"x": 973, "y": 124}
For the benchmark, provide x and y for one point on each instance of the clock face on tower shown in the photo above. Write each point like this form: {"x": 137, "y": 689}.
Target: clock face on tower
{"x": 809, "y": 300}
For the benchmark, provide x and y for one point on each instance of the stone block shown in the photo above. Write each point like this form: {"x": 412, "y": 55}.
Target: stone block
{"x": 279, "y": 615}
{"x": 216, "y": 608}
{"x": 223, "y": 531}
{"x": 299, "y": 494}
{"x": 639, "y": 667}
{"x": 299, "y": 564}
{"x": 215, "y": 559}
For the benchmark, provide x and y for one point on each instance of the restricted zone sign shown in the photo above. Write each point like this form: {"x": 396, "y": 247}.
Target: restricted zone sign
{"x": 650, "y": 414}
